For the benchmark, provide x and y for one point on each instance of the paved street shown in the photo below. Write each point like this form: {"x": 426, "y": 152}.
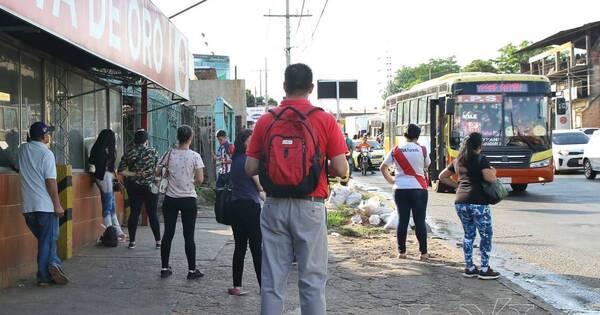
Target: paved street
{"x": 365, "y": 278}
{"x": 547, "y": 237}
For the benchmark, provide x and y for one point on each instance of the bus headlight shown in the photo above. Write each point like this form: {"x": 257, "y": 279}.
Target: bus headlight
{"x": 542, "y": 163}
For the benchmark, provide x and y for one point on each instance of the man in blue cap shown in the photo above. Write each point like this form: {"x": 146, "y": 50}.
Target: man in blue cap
{"x": 41, "y": 205}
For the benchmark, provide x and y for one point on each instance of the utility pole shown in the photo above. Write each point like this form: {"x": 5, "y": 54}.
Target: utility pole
{"x": 287, "y": 16}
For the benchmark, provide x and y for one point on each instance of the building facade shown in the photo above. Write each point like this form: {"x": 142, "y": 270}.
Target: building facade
{"x": 571, "y": 60}
{"x": 68, "y": 66}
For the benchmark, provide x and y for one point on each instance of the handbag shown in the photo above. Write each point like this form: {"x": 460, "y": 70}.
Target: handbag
{"x": 495, "y": 191}
{"x": 223, "y": 204}
{"x": 163, "y": 179}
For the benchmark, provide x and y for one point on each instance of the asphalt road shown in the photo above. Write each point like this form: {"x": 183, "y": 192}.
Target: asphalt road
{"x": 551, "y": 233}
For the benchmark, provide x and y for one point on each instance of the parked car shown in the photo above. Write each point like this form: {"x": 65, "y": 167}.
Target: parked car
{"x": 567, "y": 149}
{"x": 588, "y": 131}
{"x": 377, "y": 153}
{"x": 591, "y": 156}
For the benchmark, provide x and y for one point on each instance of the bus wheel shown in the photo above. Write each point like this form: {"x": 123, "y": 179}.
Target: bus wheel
{"x": 518, "y": 187}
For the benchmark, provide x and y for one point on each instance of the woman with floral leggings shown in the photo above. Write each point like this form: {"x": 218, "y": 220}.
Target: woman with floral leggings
{"x": 471, "y": 204}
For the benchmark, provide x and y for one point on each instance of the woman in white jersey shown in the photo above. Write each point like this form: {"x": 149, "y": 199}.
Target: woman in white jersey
{"x": 410, "y": 187}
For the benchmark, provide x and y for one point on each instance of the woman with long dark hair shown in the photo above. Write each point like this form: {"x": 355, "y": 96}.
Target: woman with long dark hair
{"x": 471, "y": 204}
{"x": 103, "y": 157}
{"x": 184, "y": 172}
{"x": 246, "y": 195}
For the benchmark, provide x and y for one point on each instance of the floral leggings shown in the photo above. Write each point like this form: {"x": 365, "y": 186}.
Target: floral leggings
{"x": 473, "y": 218}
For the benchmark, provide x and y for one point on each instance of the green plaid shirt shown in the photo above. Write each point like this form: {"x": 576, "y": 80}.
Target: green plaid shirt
{"x": 140, "y": 159}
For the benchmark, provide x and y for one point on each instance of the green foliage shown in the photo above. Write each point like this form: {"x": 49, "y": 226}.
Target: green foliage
{"x": 407, "y": 77}
{"x": 250, "y": 99}
{"x": 336, "y": 219}
{"x": 479, "y": 65}
{"x": 510, "y": 61}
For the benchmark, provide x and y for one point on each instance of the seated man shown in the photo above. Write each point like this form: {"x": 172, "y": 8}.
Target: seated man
{"x": 364, "y": 145}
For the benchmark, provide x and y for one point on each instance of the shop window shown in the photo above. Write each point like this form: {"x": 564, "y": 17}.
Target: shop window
{"x": 116, "y": 119}
{"x": 31, "y": 102}
{"x": 75, "y": 107}
{"x": 9, "y": 106}
{"x": 101, "y": 107}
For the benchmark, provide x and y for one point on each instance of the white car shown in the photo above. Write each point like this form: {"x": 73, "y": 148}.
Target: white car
{"x": 591, "y": 156}
{"x": 588, "y": 131}
{"x": 567, "y": 149}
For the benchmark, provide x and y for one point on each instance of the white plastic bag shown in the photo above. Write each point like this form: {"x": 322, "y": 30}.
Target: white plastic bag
{"x": 375, "y": 220}
{"x": 373, "y": 206}
{"x": 339, "y": 195}
{"x": 392, "y": 222}
{"x": 356, "y": 219}
{"x": 353, "y": 199}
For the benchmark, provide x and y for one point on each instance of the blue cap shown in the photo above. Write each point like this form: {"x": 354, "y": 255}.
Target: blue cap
{"x": 39, "y": 129}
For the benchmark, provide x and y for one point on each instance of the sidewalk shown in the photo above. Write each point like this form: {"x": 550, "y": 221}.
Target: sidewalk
{"x": 365, "y": 278}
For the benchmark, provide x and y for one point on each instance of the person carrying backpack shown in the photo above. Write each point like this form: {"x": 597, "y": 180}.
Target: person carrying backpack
{"x": 289, "y": 150}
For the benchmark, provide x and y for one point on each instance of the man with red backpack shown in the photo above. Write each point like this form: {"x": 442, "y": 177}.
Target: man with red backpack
{"x": 289, "y": 150}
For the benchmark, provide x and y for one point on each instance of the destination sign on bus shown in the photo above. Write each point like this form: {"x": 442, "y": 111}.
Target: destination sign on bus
{"x": 514, "y": 87}
{"x": 479, "y": 98}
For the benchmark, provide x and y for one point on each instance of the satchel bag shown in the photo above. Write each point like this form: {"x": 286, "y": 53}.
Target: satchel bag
{"x": 163, "y": 179}
{"x": 223, "y": 204}
{"x": 494, "y": 192}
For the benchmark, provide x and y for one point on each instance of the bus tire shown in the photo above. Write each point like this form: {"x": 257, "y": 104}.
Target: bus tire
{"x": 518, "y": 187}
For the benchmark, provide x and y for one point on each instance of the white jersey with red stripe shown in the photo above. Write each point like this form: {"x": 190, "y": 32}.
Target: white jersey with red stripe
{"x": 414, "y": 155}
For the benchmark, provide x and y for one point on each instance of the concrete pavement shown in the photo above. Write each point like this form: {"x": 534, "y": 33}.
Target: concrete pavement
{"x": 365, "y": 278}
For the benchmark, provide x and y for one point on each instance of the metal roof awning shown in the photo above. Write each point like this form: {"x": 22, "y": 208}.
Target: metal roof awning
{"x": 561, "y": 37}
{"x": 127, "y": 39}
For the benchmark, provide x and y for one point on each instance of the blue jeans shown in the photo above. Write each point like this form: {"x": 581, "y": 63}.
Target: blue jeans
{"x": 108, "y": 203}
{"x": 44, "y": 226}
{"x": 473, "y": 218}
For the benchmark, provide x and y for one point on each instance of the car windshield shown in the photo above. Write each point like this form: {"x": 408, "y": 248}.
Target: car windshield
{"x": 570, "y": 138}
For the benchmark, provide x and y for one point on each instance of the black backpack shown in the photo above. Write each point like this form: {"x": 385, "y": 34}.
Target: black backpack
{"x": 109, "y": 238}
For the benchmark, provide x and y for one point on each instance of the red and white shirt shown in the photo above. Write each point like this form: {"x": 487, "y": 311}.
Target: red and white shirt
{"x": 414, "y": 155}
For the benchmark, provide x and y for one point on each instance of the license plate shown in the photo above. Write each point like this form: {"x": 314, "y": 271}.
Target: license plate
{"x": 506, "y": 180}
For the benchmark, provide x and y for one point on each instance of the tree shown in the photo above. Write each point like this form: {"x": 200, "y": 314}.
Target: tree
{"x": 272, "y": 102}
{"x": 250, "y": 99}
{"x": 510, "y": 61}
{"x": 407, "y": 77}
{"x": 260, "y": 101}
{"x": 479, "y": 65}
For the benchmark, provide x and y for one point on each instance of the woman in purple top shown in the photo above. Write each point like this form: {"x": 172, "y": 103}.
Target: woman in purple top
{"x": 245, "y": 216}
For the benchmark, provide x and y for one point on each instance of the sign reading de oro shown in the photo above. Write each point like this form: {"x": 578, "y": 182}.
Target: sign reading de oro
{"x": 133, "y": 34}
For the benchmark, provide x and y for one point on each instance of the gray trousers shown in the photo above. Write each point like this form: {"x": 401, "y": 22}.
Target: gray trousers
{"x": 293, "y": 226}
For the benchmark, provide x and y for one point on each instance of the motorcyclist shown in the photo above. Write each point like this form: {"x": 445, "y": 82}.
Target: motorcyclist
{"x": 367, "y": 147}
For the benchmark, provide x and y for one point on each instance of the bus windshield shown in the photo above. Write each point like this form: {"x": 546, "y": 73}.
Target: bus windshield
{"x": 526, "y": 121}
{"x": 522, "y": 122}
{"x": 485, "y": 118}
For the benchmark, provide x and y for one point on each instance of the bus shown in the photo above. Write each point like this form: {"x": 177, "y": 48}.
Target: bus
{"x": 511, "y": 111}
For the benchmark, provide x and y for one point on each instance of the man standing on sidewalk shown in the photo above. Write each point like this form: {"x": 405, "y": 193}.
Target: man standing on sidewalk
{"x": 223, "y": 158}
{"x": 291, "y": 150}
{"x": 41, "y": 205}
{"x": 350, "y": 145}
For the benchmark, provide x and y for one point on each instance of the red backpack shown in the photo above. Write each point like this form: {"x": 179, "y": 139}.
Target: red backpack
{"x": 290, "y": 165}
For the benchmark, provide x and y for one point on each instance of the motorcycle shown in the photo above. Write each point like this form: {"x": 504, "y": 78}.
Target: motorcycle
{"x": 364, "y": 161}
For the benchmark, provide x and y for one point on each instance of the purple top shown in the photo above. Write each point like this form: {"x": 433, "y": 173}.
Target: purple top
{"x": 243, "y": 185}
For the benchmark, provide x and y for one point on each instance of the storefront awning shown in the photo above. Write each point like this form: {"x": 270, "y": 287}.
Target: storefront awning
{"x": 132, "y": 35}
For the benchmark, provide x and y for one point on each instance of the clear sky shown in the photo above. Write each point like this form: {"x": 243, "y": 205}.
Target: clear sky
{"x": 354, "y": 37}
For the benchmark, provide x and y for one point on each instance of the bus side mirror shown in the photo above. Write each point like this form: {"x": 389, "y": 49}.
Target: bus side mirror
{"x": 449, "y": 106}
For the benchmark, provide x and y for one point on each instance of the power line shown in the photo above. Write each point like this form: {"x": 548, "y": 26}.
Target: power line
{"x": 301, "y": 12}
{"x": 320, "y": 16}
{"x": 188, "y": 8}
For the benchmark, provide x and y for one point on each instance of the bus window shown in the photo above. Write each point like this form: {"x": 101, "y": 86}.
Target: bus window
{"x": 400, "y": 112}
{"x": 413, "y": 111}
{"x": 406, "y": 113}
{"x": 422, "y": 110}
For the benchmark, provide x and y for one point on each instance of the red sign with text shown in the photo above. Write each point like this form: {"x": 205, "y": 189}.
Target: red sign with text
{"x": 133, "y": 34}
{"x": 479, "y": 99}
